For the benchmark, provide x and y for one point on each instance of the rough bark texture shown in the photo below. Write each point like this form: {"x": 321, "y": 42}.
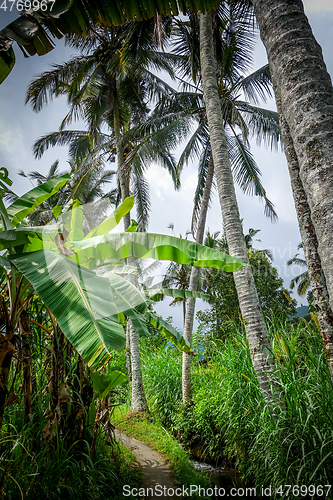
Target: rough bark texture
{"x": 310, "y": 243}
{"x": 128, "y": 353}
{"x": 122, "y": 174}
{"x": 193, "y": 286}
{"x": 299, "y": 72}
{"x": 253, "y": 318}
{"x": 139, "y": 402}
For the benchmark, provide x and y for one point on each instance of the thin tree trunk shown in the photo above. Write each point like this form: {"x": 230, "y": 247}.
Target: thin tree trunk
{"x": 253, "y": 318}
{"x": 310, "y": 243}
{"x": 299, "y": 72}
{"x": 139, "y": 402}
{"x": 128, "y": 353}
{"x": 193, "y": 286}
{"x": 122, "y": 174}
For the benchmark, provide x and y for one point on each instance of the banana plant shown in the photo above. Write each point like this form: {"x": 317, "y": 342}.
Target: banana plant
{"x": 70, "y": 271}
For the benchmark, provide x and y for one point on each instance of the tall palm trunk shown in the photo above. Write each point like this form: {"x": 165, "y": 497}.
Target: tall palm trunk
{"x": 139, "y": 402}
{"x": 310, "y": 242}
{"x": 306, "y": 103}
{"x": 255, "y": 326}
{"x": 193, "y": 286}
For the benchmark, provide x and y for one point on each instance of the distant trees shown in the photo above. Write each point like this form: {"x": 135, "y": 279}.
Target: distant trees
{"x": 273, "y": 296}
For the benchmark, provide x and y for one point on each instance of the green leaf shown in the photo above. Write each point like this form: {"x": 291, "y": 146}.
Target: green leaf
{"x": 7, "y": 62}
{"x": 113, "y": 220}
{"x": 133, "y": 227}
{"x": 4, "y": 262}
{"x": 157, "y": 294}
{"x": 168, "y": 330}
{"x": 126, "y": 295}
{"x": 105, "y": 382}
{"x": 155, "y": 246}
{"x": 11, "y": 238}
{"x": 81, "y": 302}
{"x": 74, "y": 218}
{"x": 24, "y": 205}
{"x": 56, "y": 211}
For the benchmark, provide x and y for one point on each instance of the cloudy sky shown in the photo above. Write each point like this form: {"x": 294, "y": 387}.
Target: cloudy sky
{"x": 20, "y": 127}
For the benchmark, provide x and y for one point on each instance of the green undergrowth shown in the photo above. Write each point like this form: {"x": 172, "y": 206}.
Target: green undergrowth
{"x": 288, "y": 441}
{"x": 35, "y": 471}
{"x": 142, "y": 427}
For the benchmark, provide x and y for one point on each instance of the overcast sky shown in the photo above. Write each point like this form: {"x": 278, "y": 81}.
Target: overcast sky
{"x": 20, "y": 127}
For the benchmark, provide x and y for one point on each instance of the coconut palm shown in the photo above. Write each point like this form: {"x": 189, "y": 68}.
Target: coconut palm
{"x": 232, "y": 45}
{"x": 256, "y": 330}
{"x": 307, "y": 111}
{"x": 109, "y": 84}
{"x": 84, "y": 188}
{"x": 301, "y": 280}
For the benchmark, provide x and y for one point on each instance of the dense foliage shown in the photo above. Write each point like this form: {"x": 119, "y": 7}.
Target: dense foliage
{"x": 229, "y": 423}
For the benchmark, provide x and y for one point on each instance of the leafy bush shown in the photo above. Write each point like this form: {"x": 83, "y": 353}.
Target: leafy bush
{"x": 287, "y": 442}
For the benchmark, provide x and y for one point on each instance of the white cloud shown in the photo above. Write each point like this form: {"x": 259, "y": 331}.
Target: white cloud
{"x": 11, "y": 141}
{"x": 318, "y": 5}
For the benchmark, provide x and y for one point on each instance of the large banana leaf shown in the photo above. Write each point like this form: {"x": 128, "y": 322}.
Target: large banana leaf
{"x": 113, "y": 220}
{"x": 105, "y": 382}
{"x": 153, "y": 246}
{"x": 31, "y": 30}
{"x": 24, "y": 205}
{"x": 11, "y": 238}
{"x": 7, "y": 61}
{"x": 168, "y": 330}
{"x": 81, "y": 302}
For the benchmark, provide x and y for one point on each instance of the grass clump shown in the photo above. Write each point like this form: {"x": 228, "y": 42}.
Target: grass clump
{"x": 229, "y": 423}
{"x": 34, "y": 471}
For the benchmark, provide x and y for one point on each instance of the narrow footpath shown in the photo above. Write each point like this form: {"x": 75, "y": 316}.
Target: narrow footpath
{"x": 156, "y": 472}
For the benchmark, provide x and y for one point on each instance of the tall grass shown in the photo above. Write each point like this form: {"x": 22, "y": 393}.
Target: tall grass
{"x": 288, "y": 442}
{"x": 35, "y": 471}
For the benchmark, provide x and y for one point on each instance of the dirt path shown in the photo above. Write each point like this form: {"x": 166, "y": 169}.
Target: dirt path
{"x": 155, "y": 469}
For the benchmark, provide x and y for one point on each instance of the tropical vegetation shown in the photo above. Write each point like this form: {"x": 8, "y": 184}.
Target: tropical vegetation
{"x": 82, "y": 349}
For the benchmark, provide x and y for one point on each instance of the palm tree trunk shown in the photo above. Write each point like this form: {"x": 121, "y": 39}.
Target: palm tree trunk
{"x": 139, "y": 402}
{"x": 122, "y": 174}
{"x": 299, "y": 72}
{"x": 253, "y": 318}
{"x": 193, "y": 286}
{"x": 310, "y": 242}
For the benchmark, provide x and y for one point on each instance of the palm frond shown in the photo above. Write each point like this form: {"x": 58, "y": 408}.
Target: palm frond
{"x": 247, "y": 173}
{"x": 140, "y": 189}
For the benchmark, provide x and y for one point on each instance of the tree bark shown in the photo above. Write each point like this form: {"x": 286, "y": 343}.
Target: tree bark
{"x": 122, "y": 174}
{"x": 253, "y": 318}
{"x": 139, "y": 402}
{"x": 310, "y": 242}
{"x": 306, "y": 103}
{"x": 193, "y": 286}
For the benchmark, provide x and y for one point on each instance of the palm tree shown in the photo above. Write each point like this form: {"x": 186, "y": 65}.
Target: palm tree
{"x": 84, "y": 187}
{"x": 107, "y": 84}
{"x": 310, "y": 239}
{"x": 307, "y": 112}
{"x": 232, "y": 42}
{"x": 256, "y": 330}
{"x": 301, "y": 280}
